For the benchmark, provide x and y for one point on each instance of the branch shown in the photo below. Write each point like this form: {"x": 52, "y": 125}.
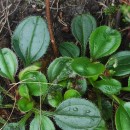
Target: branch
{"x": 48, "y": 15}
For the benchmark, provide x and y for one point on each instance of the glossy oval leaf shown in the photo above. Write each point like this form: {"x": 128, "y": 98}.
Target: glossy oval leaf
{"x": 122, "y": 118}
{"x": 109, "y": 86}
{"x": 120, "y": 63}
{"x": 41, "y": 123}
{"x": 36, "y": 83}
{"x": 8, "y": 63}
{"x": 30, "y": 39}
{"x": 14, "y": 126}
{"x": 76, "y": 113}
{"x": 25, "y": 104}
{"x": 84, "y": 67}
{"x": 82, "y": 26}
{"x": 59, "y": 69}
{"x": 34, "y": 67}
{"x": 55, "y": 98}
{"x": 104, "y": 41}
{"x": 101, "y": 126}
{"x": 71, "y": 94}
{"x": 23, "y": 91}
{"x": 69, "y": 49}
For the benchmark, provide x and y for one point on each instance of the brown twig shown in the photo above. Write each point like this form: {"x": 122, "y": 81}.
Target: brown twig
{"x": 48, "y": 15}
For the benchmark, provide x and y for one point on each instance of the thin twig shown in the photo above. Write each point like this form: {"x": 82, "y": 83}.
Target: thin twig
{"x": 7, "y": 17}
{"x": 10, "y": 114}
{"x": 125, "y": 29}
{"x": 48, "y": 15}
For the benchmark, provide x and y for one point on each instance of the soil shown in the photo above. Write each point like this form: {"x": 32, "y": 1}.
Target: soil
{"x": 62, "y": 13}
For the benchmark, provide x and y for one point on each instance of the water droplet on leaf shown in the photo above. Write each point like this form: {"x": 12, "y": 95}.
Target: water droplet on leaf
{"x": 75, "y": 109}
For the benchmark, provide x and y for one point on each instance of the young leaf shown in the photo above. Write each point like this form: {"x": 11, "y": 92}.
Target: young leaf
{"x": 8, "y": 63}
{"x": 25, "y": 105}
{"x": 82, "y": 26}
{"x": 55, "y": 98}
{"x": 59, "y": 69}
{"x": 109, "y": 86}
{"x": 31, "y": 39}
{"x": 69, "y": 49}
{"x": 84, "y": 67}
{"x": 71, "y": 94}
{"x": 122, "y": 118}
{"x": 104, "y": 41}
{"x": 23, "y": 91}
{"x": 36, "y": 83}
{"x": 120, "y": 63}
{"x": 77, "y": 114}
{"x": 36, "y": 66}
{"x": 14, "y": 126}
{"x": 41, "y": 123}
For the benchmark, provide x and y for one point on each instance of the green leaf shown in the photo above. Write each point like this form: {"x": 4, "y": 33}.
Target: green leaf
{"x": 59, "y": 69}
{"x": 106, "y": 110}
{"x": 82, "y": 26}
{"x": 55, "y": 98}
{"x": 23, "y": 91}
{"x": 14, "y": 126}
{"x": 84, "y": 67}
{"x": 2, "y": 121}
{"x": 77, "y": 114}
{"x": 8, "y": 63}
{"x": 36, "y": 83}
{"x": 69, "y": 49}
{"x": 30, "y": 39}
{"x": 1, "y": 98}
{"x": 122, "y": 118}
{"x": 129, "y": 82}
{"x": 101, "y": 126}
{"x": 81, "y": 85}
{"x": 120, "y": 63}
{"x": 71, "y": 94}
{"x": 36, "y": 66}
{"x": 109, "y": 86}
{"x": 104, "y": 41}
{"x": 25, "y": 105}
{"x": 41, "y": 123}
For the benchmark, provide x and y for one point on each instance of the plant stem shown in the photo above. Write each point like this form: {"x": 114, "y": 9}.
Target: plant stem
{"x": 45, "y": 113}
{"x": 127, "y": 89}
{"x": 99, "y": 101}
{"x": 98, "y": 95}
{"x": 7, "y": 93}
{"x": 6, "y": 106}
{"x": 24, "y": 119}
{"x": 118, "y": 100}
{"x": 48, "y": 15}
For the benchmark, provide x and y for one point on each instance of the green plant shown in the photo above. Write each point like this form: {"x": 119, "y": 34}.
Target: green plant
{"x": 68, "y": 78}
{"x": 125, "y": 9}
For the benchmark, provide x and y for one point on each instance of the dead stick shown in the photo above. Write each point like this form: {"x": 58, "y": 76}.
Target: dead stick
{"x": 48, "y": 15}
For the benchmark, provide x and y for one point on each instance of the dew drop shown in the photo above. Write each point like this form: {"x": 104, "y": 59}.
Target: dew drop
{"x": 88, "y": 111}
{"x": 75, "y": 109}
{"x": 34, "y": 78}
